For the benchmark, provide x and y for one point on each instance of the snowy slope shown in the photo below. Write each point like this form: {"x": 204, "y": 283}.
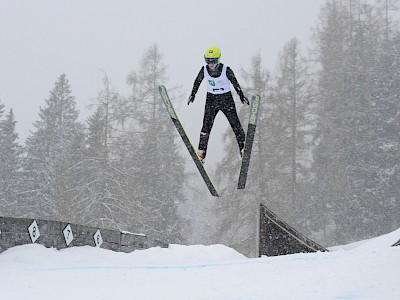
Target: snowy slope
{"x": 366, "y": 270}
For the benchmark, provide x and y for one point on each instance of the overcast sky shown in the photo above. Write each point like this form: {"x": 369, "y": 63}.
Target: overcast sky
{"x": 42, "y": 39}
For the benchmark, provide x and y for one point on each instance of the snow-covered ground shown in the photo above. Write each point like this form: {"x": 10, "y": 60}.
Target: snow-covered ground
{"x": 366, "y": 270}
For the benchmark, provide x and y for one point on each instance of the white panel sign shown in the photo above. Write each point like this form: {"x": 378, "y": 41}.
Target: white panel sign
{"x": 68, "y": 236}
{"x": 98, "y": 240}
{"x": 34, "y": 231}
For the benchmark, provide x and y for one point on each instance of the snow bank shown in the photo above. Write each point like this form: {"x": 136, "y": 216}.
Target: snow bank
{"x": 379, "y": 242}
{"x": 34, "y": 255}
{"x": 366, "y": 270}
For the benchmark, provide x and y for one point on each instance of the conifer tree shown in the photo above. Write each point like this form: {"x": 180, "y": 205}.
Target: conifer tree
{"x": 106, "y": 197}
{"x": 10, "y": 166}
{"x": 153, "y": 149}
{"x": 354, "y": 145}
{"x": 50, "y": 152}
{"x": 291, "y": 125}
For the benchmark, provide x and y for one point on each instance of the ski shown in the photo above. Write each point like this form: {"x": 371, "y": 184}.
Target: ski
{"x": 248, "y": 145}
{"x": 174, "y": 117}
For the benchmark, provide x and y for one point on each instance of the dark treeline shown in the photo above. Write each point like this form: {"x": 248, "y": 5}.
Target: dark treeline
{"x": 111, "y": 172}
{"x": 327, "y": 153}
{"x": 326, "y": 156}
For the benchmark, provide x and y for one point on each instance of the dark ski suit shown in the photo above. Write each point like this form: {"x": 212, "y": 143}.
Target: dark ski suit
{"x": 219, "y": 102}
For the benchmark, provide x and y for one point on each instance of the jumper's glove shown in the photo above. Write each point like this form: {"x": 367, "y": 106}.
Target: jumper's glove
{"x": 191, "y": 99}
{"x": 244, "y": 99}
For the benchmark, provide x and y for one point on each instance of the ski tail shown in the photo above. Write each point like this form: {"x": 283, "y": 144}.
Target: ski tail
{"x": 248, "y": 146}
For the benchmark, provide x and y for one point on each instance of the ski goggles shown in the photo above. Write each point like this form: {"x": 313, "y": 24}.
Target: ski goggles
{"x": 211, "y": 61}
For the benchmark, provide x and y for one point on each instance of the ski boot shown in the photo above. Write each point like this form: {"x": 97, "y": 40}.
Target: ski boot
{"x": 202, "y": 155}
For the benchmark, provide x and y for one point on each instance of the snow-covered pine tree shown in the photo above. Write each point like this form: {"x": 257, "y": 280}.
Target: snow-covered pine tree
{"x": 332, "y": 38}
{"x": 155, "y": 154}
{"x": 51, "y": 150}
{"x": 105, "y": 197}
{"x": 290, "y": 126}
{"x": 89, "y": 204}
{"x": 11, "y": 155}
{"x": 355, "y": 158}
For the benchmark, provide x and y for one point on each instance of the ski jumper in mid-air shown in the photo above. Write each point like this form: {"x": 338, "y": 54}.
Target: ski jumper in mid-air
{"x": 219, "y": 98}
